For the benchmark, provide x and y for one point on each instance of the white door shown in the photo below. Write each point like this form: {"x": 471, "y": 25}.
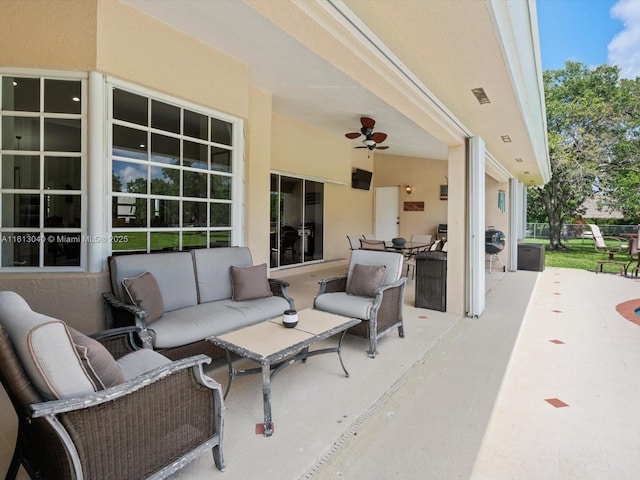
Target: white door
{"x": 387, "y": 212}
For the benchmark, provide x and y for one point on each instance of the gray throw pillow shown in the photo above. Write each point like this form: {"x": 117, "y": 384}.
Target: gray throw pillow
{"x": 365, "y": 279}
{"x": 144, "y": 292}
{"x": 248, "y": 283}
{"x": 102, "y": 369}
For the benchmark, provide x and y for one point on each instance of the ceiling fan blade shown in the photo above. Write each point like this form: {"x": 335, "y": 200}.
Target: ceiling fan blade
{"x": 382, "y": 148}
{"x": 361, "y": 146}
{"x": 367, "y": 122}
{"x": 352, "y": 135}
{"x": 379, "y": 137}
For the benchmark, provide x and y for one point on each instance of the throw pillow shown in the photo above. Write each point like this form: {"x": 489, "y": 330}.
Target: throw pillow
{"x": 144, "y": 292}
{"x": 365, "y": 279}
{"x": 435, "y": 246}
{"x": 248, "y": 283}
{"x": 101, "y": 367}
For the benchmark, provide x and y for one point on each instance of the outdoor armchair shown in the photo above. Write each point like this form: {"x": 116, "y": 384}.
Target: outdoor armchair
{"x": 82, "y": 415}
{"x": 372, "y": 290}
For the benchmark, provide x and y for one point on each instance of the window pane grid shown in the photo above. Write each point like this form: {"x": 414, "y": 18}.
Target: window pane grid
{"x": 43, "y": 125}
{"x": 186, "y": 193}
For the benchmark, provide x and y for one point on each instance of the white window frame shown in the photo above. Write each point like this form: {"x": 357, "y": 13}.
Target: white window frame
{"x": 43, "y": 231}
{"x": 237, "y": 161}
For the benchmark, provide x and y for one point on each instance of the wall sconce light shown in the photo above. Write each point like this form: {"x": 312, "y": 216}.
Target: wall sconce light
{"x": 409, "y": 189}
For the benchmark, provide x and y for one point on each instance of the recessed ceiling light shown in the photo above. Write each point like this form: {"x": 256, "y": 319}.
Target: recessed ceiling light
{"x": 75, "y": 99}
{"x": 519, "y": 160}
{"x": 142, "y": 145}
{"x": 506, "y": 138}
{"x": 15, "y": 84}
{"x": 480, "y": 95}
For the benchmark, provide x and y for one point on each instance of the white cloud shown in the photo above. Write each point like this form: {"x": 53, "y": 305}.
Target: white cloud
{"x": 624, "y": 49}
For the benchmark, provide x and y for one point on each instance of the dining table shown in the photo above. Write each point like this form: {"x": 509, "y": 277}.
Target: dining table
{"x": 407, "y": 247}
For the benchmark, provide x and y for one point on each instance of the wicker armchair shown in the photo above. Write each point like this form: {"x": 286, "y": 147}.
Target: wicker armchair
{"x": 148, "y": 426}
{"x": 382, "y": 312}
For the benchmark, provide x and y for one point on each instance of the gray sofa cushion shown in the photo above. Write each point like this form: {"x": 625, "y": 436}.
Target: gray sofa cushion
{"x": 344, "y": 304}
{"x": 45, "y": 349}
{"x": 141, "y": 361}
{"x": 192, "y": 324}
{"x": 213, "y": 270}
{"x": 173, "y": 271}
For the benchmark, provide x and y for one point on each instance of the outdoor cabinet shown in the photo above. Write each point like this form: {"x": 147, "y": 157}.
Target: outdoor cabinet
{"x": 431, "y": 280}
{"x": 531, "y": 257}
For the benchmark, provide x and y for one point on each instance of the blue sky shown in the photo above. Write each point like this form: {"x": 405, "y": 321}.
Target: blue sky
{"x": 593, "y": 32}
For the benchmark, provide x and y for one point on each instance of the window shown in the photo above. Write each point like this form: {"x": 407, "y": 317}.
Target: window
{"x": 42, "y": 157}
{"x": 172, "y": 174}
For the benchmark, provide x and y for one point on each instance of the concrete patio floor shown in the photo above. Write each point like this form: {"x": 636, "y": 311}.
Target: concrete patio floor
{"x": 457, "y": 398}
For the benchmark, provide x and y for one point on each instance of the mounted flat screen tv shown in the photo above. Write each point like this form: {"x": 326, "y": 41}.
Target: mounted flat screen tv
{"x": 361, "y": 179}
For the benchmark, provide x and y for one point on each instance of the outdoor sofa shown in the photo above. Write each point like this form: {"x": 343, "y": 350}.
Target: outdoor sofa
{"x": 178, "y": 299}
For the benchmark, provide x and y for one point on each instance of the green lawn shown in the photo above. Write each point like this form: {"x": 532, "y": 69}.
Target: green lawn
{"x": 580, "y": 254}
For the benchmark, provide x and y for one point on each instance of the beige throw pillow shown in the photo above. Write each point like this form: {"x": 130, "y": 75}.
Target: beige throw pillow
{"x": 365, "y": 279}
{"x": 144, "y": 292}
{"x": 248, "y": 283}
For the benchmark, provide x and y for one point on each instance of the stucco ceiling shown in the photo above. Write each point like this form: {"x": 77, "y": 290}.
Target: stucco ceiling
{"x": 449, "y": 47}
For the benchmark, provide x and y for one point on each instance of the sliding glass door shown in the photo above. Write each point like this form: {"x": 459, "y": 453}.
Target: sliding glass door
{"x": 297, "y": 217}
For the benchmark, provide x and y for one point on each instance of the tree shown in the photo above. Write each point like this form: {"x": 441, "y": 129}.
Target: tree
{"x": 587, "y": 120}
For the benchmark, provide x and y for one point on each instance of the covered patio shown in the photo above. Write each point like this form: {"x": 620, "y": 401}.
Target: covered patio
{"x": 457, "y": 398}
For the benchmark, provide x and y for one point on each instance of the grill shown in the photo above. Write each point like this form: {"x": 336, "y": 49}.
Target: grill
{"x": 494, "y": 242}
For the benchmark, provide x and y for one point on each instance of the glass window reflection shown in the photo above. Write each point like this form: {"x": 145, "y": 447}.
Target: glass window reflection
{"x": 62, "y": 135}
{"x": 20, "y": 133}
{"x": 128, "y": 177}
{"x": 62, "y": 96}
{"x": 21, "y": 94}
{"x": 130, "y": 107}
{"x": 129, "y": 142}
{"x": 20, "y": 171}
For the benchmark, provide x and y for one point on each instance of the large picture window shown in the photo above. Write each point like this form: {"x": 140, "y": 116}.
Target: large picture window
{"x": 42, "y": 157}
{"x": 172, "y": 172}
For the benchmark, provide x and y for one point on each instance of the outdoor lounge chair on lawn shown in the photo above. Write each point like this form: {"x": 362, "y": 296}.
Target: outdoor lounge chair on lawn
{"x": 615, "y": 246}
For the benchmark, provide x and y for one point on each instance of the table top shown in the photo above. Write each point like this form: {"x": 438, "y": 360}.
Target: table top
{"x": 267, "y": 342}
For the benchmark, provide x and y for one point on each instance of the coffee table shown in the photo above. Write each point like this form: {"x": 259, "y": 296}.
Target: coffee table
{"x": 274, "y": 347}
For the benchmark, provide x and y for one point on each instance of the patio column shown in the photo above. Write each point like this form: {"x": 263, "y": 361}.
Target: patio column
{"x": 476, "y": 226}
{"x": 517, "y": 219}
{"x": 97, "y": 201}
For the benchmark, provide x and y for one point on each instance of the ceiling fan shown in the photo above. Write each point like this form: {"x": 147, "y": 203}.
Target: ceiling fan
{"x": 371, "y": 138}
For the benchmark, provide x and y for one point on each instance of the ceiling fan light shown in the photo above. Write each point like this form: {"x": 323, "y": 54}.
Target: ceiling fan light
{"x": 368, "y": 142}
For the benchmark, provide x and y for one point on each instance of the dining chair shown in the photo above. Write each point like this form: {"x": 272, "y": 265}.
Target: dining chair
{"x": 372, "y": 244}
{"x": 354, "y": 241}
{"x": 410, "y": 257}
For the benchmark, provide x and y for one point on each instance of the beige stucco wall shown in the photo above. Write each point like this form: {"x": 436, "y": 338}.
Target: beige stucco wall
{"x": 56, "y": 34}
{"x": 257, "y": 170}
{"x": 494, "y": 216}
{"x": 136, "y": 47}
{"x": 300, "y": 150}
{"x": 119, "y": 41}
{"x": 425, "y": 177}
